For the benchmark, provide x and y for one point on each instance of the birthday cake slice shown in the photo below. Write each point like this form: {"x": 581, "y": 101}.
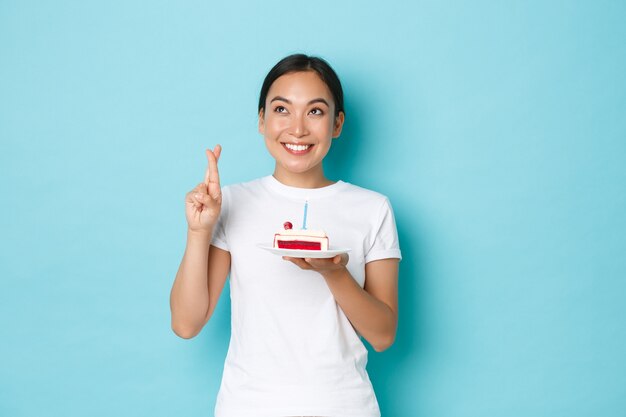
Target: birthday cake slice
{"x": 302, "y": 239}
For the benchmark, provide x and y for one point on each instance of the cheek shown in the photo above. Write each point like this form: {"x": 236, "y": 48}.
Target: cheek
{"x": 320, "y": 125}
{"x": 327, "y": 127}
{"x": 275, "y": 126}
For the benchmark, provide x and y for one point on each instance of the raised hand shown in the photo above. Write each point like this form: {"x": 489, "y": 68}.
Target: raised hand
{"x": 203, "y": 203}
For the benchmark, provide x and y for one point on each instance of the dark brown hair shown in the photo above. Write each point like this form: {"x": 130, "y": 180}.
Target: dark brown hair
{"x": 301, "y": 62}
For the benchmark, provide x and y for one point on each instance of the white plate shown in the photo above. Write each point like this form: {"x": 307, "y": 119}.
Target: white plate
{"x": 298, "y": 253}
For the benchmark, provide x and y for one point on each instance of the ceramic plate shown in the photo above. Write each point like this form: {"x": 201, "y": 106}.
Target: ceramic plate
{"x": 298, "y": 253}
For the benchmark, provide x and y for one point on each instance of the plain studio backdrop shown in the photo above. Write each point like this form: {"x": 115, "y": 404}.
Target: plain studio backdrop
{"x": 497, "y": 129}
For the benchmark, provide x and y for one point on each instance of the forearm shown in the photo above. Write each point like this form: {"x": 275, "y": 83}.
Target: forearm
{"x": 189, "y": 299}
{"x": 372, "y": 318}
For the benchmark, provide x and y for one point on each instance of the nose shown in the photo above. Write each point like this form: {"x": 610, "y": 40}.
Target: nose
{"x": 298, "y": 127}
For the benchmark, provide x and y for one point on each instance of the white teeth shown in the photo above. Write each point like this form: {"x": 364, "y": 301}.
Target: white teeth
{"x": 297, "y": 147}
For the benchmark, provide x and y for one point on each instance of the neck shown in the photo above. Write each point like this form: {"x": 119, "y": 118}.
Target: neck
{"x": 302, "y": 180}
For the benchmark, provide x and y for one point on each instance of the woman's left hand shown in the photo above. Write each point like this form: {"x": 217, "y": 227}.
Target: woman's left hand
{"x": 323, "y": 266}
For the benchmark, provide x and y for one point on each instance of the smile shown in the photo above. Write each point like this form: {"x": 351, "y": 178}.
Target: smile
{"x": 297, "y": 149}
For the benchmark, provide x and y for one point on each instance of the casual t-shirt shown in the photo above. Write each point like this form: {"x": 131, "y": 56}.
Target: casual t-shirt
{"x": 293, "y": 351}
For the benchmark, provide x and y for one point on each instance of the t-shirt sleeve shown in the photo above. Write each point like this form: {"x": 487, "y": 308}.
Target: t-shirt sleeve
{"x": 385, "y": 242}
{"x": 219, "y": 232}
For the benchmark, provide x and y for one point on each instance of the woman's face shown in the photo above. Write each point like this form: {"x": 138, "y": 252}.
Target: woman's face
{"x": 299, "y": 124}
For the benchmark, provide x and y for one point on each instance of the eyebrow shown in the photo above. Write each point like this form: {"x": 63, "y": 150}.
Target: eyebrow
{"x": 315, "y": 100}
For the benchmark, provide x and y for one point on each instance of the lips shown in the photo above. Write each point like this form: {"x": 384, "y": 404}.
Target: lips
{"x": 297, "y": 149}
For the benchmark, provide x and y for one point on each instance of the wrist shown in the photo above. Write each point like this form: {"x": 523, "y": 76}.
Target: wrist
{"x": 335, "y": 274}
{"x": 200, "y": 235}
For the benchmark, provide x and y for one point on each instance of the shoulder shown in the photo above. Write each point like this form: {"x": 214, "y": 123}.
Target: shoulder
{"x": 242, "y": 188}
{"x": 363, "y": 195}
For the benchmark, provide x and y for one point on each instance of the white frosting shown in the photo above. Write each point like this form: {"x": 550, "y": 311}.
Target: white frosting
{"x": 301, "y": 232}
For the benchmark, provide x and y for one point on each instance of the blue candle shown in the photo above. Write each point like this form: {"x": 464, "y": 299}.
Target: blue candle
{"x": 306, "y": 205}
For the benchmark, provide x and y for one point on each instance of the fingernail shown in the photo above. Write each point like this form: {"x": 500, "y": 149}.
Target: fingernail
{"x": 199, "y": 196}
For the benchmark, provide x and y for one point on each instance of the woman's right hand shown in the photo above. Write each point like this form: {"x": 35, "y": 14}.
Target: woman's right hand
{"x": 203, "y": 203}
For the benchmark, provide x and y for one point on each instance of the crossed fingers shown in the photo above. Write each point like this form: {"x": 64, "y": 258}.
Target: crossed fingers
{"x": 212, "y": 176}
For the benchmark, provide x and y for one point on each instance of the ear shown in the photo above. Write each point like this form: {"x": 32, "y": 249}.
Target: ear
{"x": 262, "y": 122}
{"x": 339, "y": 119}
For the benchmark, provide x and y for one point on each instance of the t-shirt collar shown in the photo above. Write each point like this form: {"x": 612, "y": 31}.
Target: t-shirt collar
{"x": 307, "y": 193}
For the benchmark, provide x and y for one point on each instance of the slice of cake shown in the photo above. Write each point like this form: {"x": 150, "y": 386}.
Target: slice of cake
{"x": 301, "y": 239}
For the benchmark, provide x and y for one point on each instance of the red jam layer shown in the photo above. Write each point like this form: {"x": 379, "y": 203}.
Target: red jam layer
{"x": 299, "y": 244}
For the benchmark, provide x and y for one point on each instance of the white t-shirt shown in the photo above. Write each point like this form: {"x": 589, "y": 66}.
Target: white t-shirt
{"x": 292, "y": 350}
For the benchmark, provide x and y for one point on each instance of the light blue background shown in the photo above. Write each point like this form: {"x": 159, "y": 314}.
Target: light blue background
{"x": 497, "y": 129}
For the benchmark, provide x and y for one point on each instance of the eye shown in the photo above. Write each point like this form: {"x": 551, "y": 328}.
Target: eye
{"x": 317, "y": 111}
{"x": 280, "y": 109}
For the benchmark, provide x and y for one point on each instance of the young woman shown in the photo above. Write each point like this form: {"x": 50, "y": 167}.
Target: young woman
{"x": 297, "y": 323}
